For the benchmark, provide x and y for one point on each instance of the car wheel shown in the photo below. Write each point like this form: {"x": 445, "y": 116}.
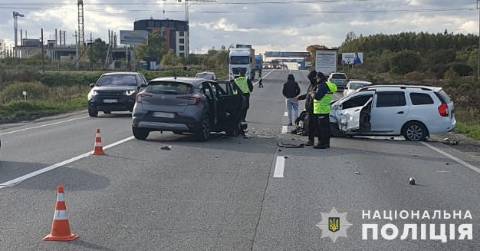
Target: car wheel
{"x": 92, "y": 112}
{"x": 335, "y": 131}
{"x": 203, "y": 132}
{"x": 414, "y": 131}
{"x": 234, "y": 131}
{"x": 140, "y": 133}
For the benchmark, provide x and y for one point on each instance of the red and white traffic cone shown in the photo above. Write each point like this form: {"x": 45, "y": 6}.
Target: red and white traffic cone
{"x": 60, "y": 226}
{"x": 98, "y": 149}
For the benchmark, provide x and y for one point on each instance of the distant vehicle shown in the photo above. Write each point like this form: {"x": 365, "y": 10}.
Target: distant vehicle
{"x": 114, "y": 91}
{"x": 189, "y": 105}
{"x": 241, "y": 60}
{"x": 415, "y": 112}
{"x": 340, "y": 79}
{"x": 354, "y": 85}
{"x": 208, "y": 75}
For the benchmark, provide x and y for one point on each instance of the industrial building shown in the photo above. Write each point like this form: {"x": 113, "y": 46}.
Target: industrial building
{"x": 175, "y": 33}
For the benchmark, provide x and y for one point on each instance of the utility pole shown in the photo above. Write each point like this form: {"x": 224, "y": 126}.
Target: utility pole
{"x": 478, "y": 51}
{"x": 43, "y": 50}
{"x": 77, "y": 54}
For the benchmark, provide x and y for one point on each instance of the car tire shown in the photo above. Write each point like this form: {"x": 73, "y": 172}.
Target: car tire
{"x": 140, "y": 133}
{"x": 234, "y": 131}
{"x": 203, "y": 132}
{"x": 92, "y": 112}
{"x": 335, "y": 131}
{"x": 414, "y": 131}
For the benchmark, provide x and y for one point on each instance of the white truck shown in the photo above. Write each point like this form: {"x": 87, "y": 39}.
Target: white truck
{"x": 241, "y": 60}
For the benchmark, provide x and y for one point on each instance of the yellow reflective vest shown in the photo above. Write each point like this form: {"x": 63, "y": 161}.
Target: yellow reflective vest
{"x": 323, "y": 107}
{"x": 242, "y": 83}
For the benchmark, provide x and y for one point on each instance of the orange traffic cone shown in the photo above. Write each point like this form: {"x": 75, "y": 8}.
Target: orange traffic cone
{"x": 60, "y": 226}
{"x": 98, "y": 150}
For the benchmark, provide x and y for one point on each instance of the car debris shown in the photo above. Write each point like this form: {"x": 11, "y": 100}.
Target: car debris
{"x": 167, "y": 148}
{"x": 411, "y": 181}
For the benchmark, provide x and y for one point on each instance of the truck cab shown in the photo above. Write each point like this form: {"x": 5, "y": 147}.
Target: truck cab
{"x": 240, "y": 61}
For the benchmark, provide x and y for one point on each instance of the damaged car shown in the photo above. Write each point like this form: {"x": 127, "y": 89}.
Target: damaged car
{"x": 188, "y": 105}
{"x": 414, "y": 112}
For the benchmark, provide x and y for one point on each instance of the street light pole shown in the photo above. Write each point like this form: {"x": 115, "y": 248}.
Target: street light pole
{"x": 478, "y": 51}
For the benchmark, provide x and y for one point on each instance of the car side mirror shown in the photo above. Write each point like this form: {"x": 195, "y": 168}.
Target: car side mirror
{"x": 92, "y": 85}
{"x": 143, "y": 85}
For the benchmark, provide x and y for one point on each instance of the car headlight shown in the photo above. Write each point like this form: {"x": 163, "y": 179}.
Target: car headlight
{"x": 91, "y": 94}
{"x": 130, "y": 92}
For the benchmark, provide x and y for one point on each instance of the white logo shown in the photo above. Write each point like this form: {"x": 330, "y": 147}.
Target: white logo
{"x": 334, "y": 225}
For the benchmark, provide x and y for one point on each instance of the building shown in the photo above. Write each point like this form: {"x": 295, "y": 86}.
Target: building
{"x": 175, "y": 33}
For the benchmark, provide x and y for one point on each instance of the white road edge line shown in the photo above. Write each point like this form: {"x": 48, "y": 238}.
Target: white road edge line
{"x": 14, "y": 182}
{"x": 279, "y": 167}
{"x": 41, "y": 126}
{"x": 467, "y": 165}
{"x": 284, "y": 129}
{"x": 263, "y": 77}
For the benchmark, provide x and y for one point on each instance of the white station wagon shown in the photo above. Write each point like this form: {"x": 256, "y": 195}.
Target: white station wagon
{"x": 415, "y": 112}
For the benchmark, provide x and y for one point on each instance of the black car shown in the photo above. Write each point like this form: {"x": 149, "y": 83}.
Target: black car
{"x": 191, "y": 105}
{"x": 115, "y": 91}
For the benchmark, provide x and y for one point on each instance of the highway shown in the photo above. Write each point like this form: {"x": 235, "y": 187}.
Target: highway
{"x": 224, "y": 194}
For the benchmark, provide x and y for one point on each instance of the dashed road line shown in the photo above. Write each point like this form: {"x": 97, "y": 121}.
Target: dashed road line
{"x": 279, "y": 167}
{"x": 465, "y": 164}
{"x": 16, "y": 181}
{"x": 284, "y": 129}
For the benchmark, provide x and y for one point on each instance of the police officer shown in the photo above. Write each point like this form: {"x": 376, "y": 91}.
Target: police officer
{"x": 246, "y": 86}
{"x": 321, "y": 110}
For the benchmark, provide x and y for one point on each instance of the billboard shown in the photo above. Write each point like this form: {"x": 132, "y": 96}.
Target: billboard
{"x": 137, "y": 37}
{"x": 355, "y": 58}
{"x": 326, "y": 61}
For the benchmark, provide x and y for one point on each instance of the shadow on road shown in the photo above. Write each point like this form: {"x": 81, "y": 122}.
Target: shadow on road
{"x": 73, "y": 178}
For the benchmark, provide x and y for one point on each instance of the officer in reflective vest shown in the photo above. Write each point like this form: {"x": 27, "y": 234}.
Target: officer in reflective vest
{"x": 322, "y": 108}
{"x": 246, "y": 86}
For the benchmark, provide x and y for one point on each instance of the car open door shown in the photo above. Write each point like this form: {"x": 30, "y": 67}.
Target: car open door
{"x": 230, "y": 103}
{"x": 355, "y": 118}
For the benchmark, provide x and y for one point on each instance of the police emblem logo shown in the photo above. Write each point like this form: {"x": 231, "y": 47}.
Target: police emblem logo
{"x": 334, "y": 225}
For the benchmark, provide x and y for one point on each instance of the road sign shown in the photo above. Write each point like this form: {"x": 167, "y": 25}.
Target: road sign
{"x": 133, "y": 37}
{"x": 352, "y": 58}
{"x": 326, "y": 61}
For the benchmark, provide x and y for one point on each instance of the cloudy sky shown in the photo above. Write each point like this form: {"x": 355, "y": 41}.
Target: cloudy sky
{"x": 267, "y": 24}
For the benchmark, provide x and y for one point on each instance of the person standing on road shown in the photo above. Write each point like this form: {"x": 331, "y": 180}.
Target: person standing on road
{"x": 310, "y": 121}
{"x": 322, "y": 108}
{"x": 291, "y": 90}
{"x": 246, "y": 86}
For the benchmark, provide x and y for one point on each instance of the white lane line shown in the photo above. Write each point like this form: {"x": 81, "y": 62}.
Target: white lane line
{"x": 57, "y": 165}
{"x": 284, "y": 129}
{"x": 263, "y": 77}
{"x": 465, "y": 164}
{"x": 279, "y": 167}
{"x": 41, "y": 126}
{"x": 285, "y": 114}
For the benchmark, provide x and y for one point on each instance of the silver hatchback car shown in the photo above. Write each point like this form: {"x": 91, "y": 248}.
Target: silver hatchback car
{"x": 415, "y": 112}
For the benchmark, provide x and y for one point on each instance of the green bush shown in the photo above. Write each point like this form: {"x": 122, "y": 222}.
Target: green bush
{"x": 462, "y": 69}
{"x": 13, "y": 92}
{"x": 69, "y": 78}
{"x": 405, "y": 62}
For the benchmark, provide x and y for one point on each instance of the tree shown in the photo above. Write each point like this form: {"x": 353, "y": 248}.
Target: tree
{"x": 154, "y": 49}
{"x": 405, "y": 62}
{"x": 170, "y": 59}
{"x": 97, "y": 51}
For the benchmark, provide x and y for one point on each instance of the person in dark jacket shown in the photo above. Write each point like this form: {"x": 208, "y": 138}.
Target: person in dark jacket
{"x": 311, "y": 122}
{"x": 291, "y": 90}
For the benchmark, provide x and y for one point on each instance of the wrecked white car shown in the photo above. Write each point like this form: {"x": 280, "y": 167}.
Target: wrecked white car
{"x": 415, "y": 112}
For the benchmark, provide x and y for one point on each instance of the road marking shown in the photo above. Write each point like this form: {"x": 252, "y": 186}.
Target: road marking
{"x": 14, "y": 182}
{"x": 285, "y": 114}
{"x": 284, "y": 129}
{"x": 263, "y": 77}
{"x": 465, "y": 164}
{"x": 41, "y": 126}
{"x": 279, "y": 167}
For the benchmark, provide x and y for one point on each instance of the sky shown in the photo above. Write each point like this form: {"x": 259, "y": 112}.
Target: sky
{"x": 277, "y": 25}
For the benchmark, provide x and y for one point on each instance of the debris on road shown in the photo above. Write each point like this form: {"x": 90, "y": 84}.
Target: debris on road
{"x": 290, "y": 145}
{"x": 411, "y": 181}
{"x": 450, "y": 141}
{"x": 357, "y": 173}
{"x": 167, "y": 148}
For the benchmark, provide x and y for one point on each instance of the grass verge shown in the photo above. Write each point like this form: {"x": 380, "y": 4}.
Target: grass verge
{"x": 30, "y": 110}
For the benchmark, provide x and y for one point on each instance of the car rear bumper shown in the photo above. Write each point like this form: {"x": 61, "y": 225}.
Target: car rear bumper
{"x": 179, "y": 123}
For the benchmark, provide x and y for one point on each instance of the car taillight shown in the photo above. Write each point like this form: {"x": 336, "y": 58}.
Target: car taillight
{"x": 443, "y": 110}
{"x": 141, "y": 96}
{"x": 195, "y": 99}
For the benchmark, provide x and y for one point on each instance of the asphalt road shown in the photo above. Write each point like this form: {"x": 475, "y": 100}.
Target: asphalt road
{"x": 224, "y": 194}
